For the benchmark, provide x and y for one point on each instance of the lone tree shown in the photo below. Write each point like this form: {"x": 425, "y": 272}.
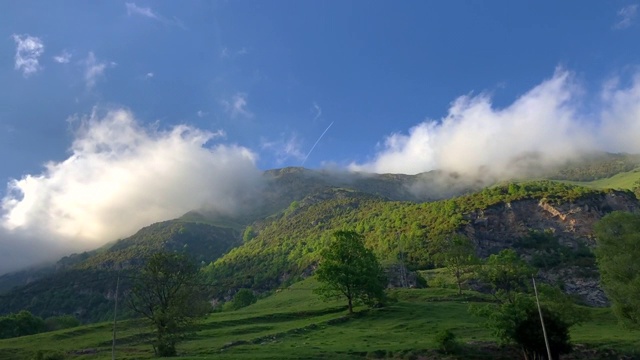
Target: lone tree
{"x": 617, "y": 253}
{"x": 458, "y": 255}
{"x": 348, "y": 269}
{"x": 167, "y": 295}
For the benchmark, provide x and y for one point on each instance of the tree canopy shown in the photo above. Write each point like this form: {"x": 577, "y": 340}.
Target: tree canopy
{"x": 348, "y": 269}
{"x": 20, "y": 324}
{"x": 514, "y": 318}
{"x": 617, "y": 254}
{"x": 507, "y": 274}
{"x": 167, "y": 295}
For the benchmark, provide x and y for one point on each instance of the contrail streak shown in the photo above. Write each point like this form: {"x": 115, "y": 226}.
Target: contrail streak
{"x": 317, "y": 141}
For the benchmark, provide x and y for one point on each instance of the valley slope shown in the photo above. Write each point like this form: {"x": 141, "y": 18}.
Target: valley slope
{"x": 277, "y": 239}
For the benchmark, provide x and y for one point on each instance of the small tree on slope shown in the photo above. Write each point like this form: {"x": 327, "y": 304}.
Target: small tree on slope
{"x": 166, "y": 294}
{"x": 349, "y": 270}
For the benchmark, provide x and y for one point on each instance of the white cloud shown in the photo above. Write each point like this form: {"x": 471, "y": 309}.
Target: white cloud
{"x": 28, "y": 50}
{"x": 147, "y": 12}
{"x": 286, "y": 148}
{"x": 237, "y": 106}
{"x": 63, "y": 58}
{"x": 626, "y": 16}
{"x": 201, "y": 113}
{"x": 149, "y": 75}
{"x": 94, "y": 69}
{"x": 133, "y": 9}
{"x": 545, "y": 126}
{"x": 118, "y": 178}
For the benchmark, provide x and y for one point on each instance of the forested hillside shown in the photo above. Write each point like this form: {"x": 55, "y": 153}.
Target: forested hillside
{"x": 84, "y": 284}
{"x": 287, "y": 247}
{"x": 276, "y": 241}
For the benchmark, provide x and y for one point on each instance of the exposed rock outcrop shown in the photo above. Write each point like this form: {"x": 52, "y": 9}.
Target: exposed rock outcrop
{"x": 501, "y": 226}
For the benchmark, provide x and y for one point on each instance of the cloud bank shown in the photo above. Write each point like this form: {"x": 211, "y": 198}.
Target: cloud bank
{"x": 118, "y": 178}
{"x": 548, "y": 125}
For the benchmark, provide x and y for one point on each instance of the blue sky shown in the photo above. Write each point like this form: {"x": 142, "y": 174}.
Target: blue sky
{"x": 394, "y": 86}
{"x": 372, "y": 67}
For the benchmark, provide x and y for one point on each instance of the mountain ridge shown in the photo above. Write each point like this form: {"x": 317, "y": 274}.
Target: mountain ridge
{"x": 296, "y": 211}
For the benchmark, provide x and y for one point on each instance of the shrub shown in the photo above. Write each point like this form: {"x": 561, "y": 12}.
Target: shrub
{"x": 529, "y": 335}
{"x": 447, "y": 341}
{"x": 243, "y": 298}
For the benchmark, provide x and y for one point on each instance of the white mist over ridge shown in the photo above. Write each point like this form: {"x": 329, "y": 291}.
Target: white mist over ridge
{"x": 120, "y": 177}
{"x": 546, "y": 126}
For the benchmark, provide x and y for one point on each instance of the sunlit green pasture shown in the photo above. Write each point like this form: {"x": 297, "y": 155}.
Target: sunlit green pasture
{"x": 295, "y": 323}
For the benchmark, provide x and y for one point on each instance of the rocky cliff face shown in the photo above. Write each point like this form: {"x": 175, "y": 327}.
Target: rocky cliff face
{"x": 503, "y": 225}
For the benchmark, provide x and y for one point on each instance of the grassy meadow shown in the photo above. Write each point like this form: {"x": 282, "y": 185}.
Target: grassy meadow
{"x": 624, "y": 181}
{"x": 294, "y": 323}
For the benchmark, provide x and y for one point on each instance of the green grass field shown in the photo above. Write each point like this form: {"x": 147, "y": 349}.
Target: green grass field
{"x": 623, "y": 181}
{"x": 296, "y": 324}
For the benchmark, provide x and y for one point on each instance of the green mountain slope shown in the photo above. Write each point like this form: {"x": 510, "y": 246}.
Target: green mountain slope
{"x": 203, "y": 242}
{"x": 287, "y": 247}
{"x": 293, "y": 216}
{"x": 597, "y": 166}
{"x": 84, "y": 284}
{"x": 628, "y": 180}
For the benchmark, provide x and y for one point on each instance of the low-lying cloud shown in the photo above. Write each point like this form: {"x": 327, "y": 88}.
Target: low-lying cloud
{"x": 547, "y": 125}
{"x": 120, "y": 177}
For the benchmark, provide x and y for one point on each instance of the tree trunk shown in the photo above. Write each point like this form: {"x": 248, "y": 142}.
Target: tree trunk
{"x": 350, "y": 306}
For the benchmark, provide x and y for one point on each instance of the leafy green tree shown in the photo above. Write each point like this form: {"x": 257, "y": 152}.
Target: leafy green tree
{"x": 514, "y": 318}
{"x": 20, "y": 324}
{"x": 348, "y": 269}
{"x": 503, "y": 317}
{"x": 243, "y": 298}
{"x": 248, "y": 234}
{"x": 518, "y": 321}
{"x": 617, "y": 254}
{"x": 167, "y": 295}
{"x": 529, "y": 335}
{"x": 507, "y": 274}
{"x": 457, "y": 253}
